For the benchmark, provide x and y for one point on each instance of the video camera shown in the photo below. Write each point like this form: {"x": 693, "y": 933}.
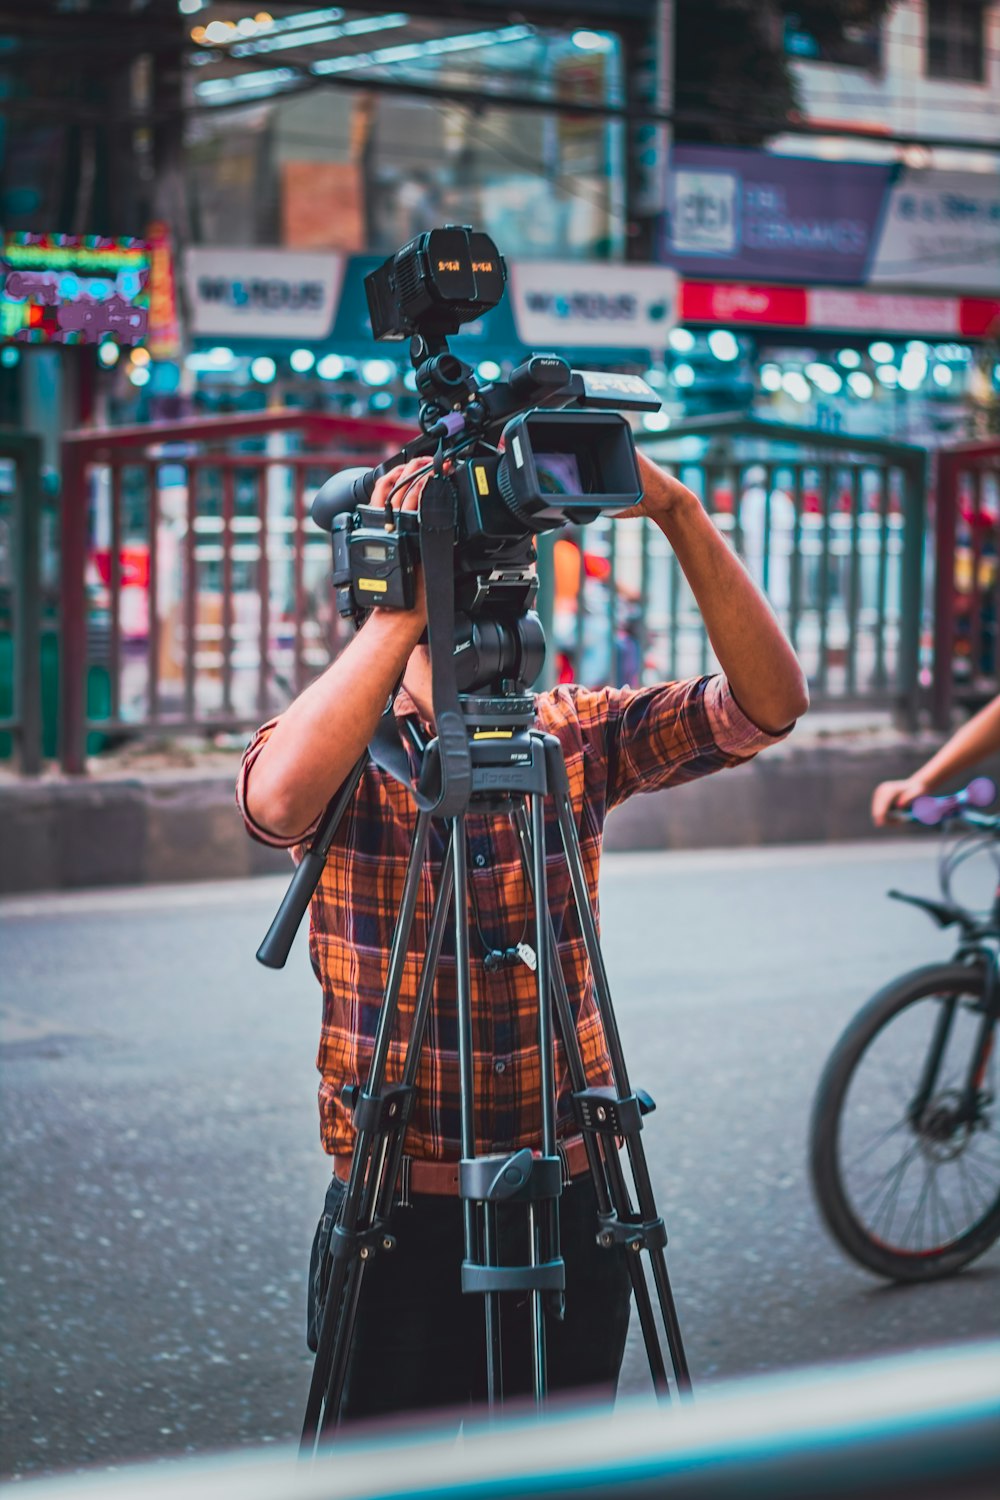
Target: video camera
{"x": 517, "y": 462}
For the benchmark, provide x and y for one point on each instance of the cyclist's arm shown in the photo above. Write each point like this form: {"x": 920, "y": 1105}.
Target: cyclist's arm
{"x": 969, "y": 745}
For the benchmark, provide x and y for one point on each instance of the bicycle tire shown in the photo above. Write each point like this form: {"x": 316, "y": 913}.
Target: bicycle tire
{"x": 832, "y": 1121}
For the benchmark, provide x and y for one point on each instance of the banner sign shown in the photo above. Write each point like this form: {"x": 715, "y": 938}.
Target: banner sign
{"x": 262, "y": 293}
{"x": 838, "y": 310}
{"x": 757, "y": 216}
{"x": 73, "y": 289}
{"x": 592, "y": 304}
{"x": 941, "y": 229}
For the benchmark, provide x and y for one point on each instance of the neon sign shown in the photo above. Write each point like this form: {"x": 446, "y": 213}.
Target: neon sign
{"x": 73, "y": 289}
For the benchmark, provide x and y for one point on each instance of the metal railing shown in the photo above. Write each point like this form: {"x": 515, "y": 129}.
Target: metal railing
{"x": 831, "y": 527}
{"x": 967, "y": 577}
{"x": 21, "y": 602}
{"x": 195, "y": 593}
{"x": 195, "y": 590}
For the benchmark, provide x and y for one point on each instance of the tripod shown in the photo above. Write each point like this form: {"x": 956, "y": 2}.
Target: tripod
{"x": 514, "y": 769}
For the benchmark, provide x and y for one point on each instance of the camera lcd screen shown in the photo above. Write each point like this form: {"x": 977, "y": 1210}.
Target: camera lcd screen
{"x": 374, "y": 552}
{"x": 558, "y": 474}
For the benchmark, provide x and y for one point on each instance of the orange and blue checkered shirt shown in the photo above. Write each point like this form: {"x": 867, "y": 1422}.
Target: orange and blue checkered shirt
{"x": 616, "y": 742}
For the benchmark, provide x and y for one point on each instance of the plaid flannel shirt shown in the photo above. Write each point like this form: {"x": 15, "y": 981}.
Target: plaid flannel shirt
{"x": 615, "y": 742}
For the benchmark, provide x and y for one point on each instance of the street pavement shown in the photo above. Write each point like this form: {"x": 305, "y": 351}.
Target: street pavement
{"x": 162, "y": 1176}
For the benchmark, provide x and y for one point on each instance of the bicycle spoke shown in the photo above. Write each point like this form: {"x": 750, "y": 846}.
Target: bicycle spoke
{"x": 897, "y": 1174}
{"x": 867, "y": 1151}
{"x": 918, "y": 1211}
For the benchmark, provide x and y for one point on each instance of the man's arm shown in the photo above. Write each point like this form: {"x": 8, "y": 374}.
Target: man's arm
{"x": 760, "y": 665}
{"x": 317, "y": 740}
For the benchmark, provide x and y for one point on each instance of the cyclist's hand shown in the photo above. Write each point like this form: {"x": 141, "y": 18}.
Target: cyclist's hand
{"x": 889, "y": 796}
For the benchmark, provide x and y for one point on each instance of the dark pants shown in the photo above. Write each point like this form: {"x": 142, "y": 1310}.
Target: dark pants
{"x": 420, "y": 1341}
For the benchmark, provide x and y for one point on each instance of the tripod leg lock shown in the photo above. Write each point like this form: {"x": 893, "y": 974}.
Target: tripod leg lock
{"x": 602, "y": 1112}
{"x": 630, "y": 1234}
{"x": 379, "y": 1113}
{"x": 523, "y": 1177}
{"x": 360, "y": 1244}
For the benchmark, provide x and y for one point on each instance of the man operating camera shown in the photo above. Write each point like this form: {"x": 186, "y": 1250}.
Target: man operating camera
{"x": 418, "y": 1341}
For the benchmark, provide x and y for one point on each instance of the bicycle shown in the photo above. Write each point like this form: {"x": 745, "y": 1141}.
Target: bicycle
{"x": 904, "y": 1135}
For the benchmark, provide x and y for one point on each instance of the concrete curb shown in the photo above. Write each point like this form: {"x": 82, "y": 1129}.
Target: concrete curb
{"x": 133, "y": 829}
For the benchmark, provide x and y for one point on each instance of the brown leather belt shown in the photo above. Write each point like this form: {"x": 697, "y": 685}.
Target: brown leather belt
{"x": 440, "y": 1178}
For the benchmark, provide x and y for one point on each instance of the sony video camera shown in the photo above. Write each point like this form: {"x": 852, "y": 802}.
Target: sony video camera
{"x": 518, "y": 462}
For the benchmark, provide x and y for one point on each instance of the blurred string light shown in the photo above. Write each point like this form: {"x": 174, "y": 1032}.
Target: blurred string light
{"x": 881, "y": 352}
{"x": 860, "y": 384}
{"x": 140, "y": 356}
{"x": 410, "y": 380}
{"x": 302, "y": 361}
{"x": 272, "y": 42}
{"x": 208, "y": 361}
{"x": 683, "y": 375}
{"x": 848, "y": 359}
{"x": 888, "y": 375}
{"x": 190, "y": 7}
{"x": 681, "y": 340}
{"x": 416, "y": 51}
{"x": 824, "y": 377}
{"x": 770, "y": 377}
{"x": 942, "y": 375}
{"x": 377, "y": 371}
{"x": 795, "y": 384}
{"x": 139, "y": 375}
{"x": 380, "y": 401}
{"x": 723, "y": 345}
{"x": 913, "y": 368}
{"x": 592, "y": 41}
{"x": 330, "y": 367}
{"x": 263, "y": 369}
{"x": 487, "y": 369}
{"x": 10, "y": 357}
{"x": 655, "y": 421}
{"x": 268, "y": 81}
{"x": 109, "y": 353}
{"x": 656, "y": 377}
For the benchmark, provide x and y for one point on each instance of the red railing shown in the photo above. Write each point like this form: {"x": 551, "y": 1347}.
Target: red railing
{"x": 172, "y": 617}
{"x": 967, "y": 577}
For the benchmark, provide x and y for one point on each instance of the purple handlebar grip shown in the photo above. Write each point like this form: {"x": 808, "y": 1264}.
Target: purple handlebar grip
{"x": 933, "y": 810}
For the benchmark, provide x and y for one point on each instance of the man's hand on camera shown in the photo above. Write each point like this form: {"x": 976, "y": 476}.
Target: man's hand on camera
{"x": 410, "y": 479}
{"x": 662, "y": 494}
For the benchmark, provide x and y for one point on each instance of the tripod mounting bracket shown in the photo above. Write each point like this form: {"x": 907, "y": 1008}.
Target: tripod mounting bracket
{"x": 602, "y": 1112}
{"x": 348, "y": 1244}
{"x": 378, "y": 1113}
{"x": 523, "y": 1176}
{"x": 630, "y": 1234}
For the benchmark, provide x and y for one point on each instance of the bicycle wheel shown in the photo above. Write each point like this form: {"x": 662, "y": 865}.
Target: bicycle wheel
{"x": 906, "y": 1176}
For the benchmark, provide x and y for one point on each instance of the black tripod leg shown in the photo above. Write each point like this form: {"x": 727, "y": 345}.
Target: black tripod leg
{"x": 349, "y": 1253}
{"x": 467, "y": 1086}
{"x": 559, "y": 787}
{"x": 601, "y": 1167}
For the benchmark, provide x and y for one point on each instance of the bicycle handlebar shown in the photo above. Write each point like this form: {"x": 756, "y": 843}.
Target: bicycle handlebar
{"x": 932, "y": 811}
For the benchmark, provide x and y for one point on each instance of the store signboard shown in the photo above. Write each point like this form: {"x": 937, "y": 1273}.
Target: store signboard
{"x": 592, "y": 304}
{"x": 758, "y": 216}
{"x": 73, "y": 289}
{"x": 941, "y": 229}
{"x": 838, "y": 310}
{"x": 262, "y": 293}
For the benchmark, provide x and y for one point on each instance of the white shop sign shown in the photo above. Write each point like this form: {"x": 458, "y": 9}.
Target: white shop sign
{"x": 941, "y": 229}
{"x": 562, "y": 304}
{"x": 262, "y": 293}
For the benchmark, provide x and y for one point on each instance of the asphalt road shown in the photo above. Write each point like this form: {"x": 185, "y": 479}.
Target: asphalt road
{"x": 162, "y": 1174}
